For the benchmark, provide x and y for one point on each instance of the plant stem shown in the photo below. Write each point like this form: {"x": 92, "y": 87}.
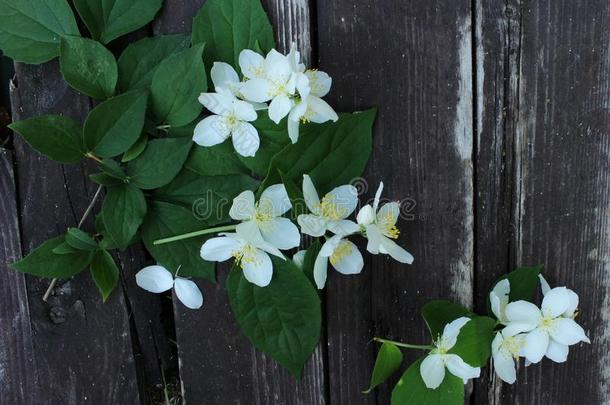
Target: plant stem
{"x": 405, "y": 345}
{"x": 193, "y": 234}
{"x": 92, "y": 156}
{"x": 97, "y": 194}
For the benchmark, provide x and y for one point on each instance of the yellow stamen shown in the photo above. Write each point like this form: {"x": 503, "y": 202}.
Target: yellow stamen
{"x": 343, "y": 250}
{"x": 329, "y": 209}
{"x": 246, "y": 255}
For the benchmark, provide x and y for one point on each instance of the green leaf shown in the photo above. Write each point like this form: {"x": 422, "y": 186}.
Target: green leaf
{"x": 523, "y": 283}
{"x": 166, "y": 219}
{"x": 176, "y": 86}
{"x": 273, "y": 138}
{"x": 159, "y": 163}
{"x": 42, "y": 262}
{"x": 136, "y": 149}
{"x": 229, "y": 26}
{"x": 411, "y": 389}
{"x": 104, "y": 180}
{"x": 88, "y": 67}
{"x": 115, "y": 125}
{"x": 30, "y": 30}
{"x": 215, "y": 161}
{"x": 208, "y": 197}
{"x": 64, "y": 249}
{"x": 113, "y": 169}
{"x": 140, "y": 60}
{"x": 110, "y": 19}
{"x": 439, "y": 313}
{"x": 80, "y": 240}
{"x": 122, "y": 213}
{"x": 286, "y": 326}
{"x": 57, "y": 137}
{"x": 332, "y": 154}
{"x": 105, "y": 273}
{"x": 310, "y": 258}
{"x": 474, "y": 341}
{"x": 388, "y": 361}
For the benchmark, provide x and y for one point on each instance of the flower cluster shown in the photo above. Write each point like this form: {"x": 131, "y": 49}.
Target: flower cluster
{"x": 280, "y": 80}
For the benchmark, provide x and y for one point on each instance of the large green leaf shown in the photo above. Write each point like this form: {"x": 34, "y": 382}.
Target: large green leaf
{"x": 229, "y": 26}
{"x": 123, "y": 211}
{"x": 55, "y": 136}
{"x": 42, "y": 262}
{"x": 105, "y": 273}
{"x": 159, "y": 163}
{"x": 166, "y": 219}
{"x": 140, "y": 60}
{"x": 273, "y": 138}
{"x": 332, "y": 154}
{"x": 208, "y": 197}
{"x": 113, "y": 126}
{"x": 439, "y": 313}
{"x": 217, "y": 160}
{"x": 80, "y": 240}
{"x": 411, "y": 390}
{"x": 30, "y": 30}
{"x": 474, "y": 341}
{"x": 110, "y": 19}
{"x": 88, "y": 66}
{"x": 388, "y": 361}
{"x": 176, "y": 86}
{"x": 283, "y": 319}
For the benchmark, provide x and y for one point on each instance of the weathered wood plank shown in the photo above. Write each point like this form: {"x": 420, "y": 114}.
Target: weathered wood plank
{"x": 413, "y": 60}
{"x": 18, "y": 374}
{"x": 217, "y": 363}
{"x": 82, "y": 347}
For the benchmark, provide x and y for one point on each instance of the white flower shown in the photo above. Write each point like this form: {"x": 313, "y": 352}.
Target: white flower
{"x": 249, "y": 250}
{"x": 330, "y": 212}
{"x": 270, "y": 79}
{"x": 505, "y": 350}
{"x": 225, "y": 77}
{"x": 232, "y": 119}
{"x": 266, "y": 215}
{"x": 432, "y": 369}
{"x": 343, "y": 255}
{"x": 498, "y": 298}
{"x": 158, "y": 279}
{"x": 380, "y": 228}
{"x": 550, "y": 332}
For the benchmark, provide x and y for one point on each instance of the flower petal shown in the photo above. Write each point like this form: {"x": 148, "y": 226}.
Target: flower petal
{"x": 319, "y": 82}
{"x": 277, "y": 67}
{"x": 523, "y": 312}
{"x": 188, "y": 293}
{"x": 345, "y": 199}
{"x": 557, "y": 352}
{"x": 451, "y": 332}
{"x": 281, "y": 233}
{"x": 219, "y": 249}
{"x": 320, "y": 111}
{"x": 211, "y": 131}
{"x": 320, "y": 271}
{"x": 243, "y": 206}
{"x": 544, "y": 286}
{"x": 503, "y": 362}
{"x": 432, "y": 371}
{"x": 245, "y": 139}
{"x": 274, "y": 201}
{"x": 258, "y": 269}
{"x": 223, "y": 75}
{"x": 343, "y": 227}
{"x": 310, "y": 195}
{"x": 395, "y": 251}
{"x": 244, "y": 111}
{"x": 279, "y": 108}
{"x": 217, "y": 103}
{"x": 346, "y": 258}
{"x": 375, "y": 238}
{"x": 498, "y": 298}
{"x": 536, "y": 345}
{"x": 312, "y": 225}
{"x": 366, "y": 215}
{"x": 155, "y": 279}
{"x": 257, "y": 90}
{"x": 555, "y": 302}
{"x": 293, "y": 130}
{"x": 251, "y": 64}
{"x": 569, "y": 312}
{"x": 514, "y": 328}
{"x": 567, "y": 332}
{"x": 377, "y": 196}
{"x": 460, "y": 368}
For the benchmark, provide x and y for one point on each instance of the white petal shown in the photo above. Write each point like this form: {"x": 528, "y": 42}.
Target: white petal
{"x": 279, "y": 108}
{"x": 293, "y": 130}
{"x": 388, "y": 215}
{"x": 211, "y": 131}
{"x": 322, "y": 111}
{"x": 250, "y": 233}
{"x": 281, "y": 233}
{"x": 244, "y": 111}
{"x": 346, "y": 258}
{"x": 223, "y": 75}
{"x": 277, "y": 67}
{"x": 251, "y": 64}
{"x": 320, "y": 271}
{"x": 432, "y": 371}
{"x": 377, "y": 196}
{"x": 155, "y": 279}
{"x": 312, "y": 225}
{"x": 274, "y": 201}
{"x": 245, "y": 139}
{"x": 217, "y": 103}
{"x": 188, "y": 293}
{"x": 557, "y": 352}
{"x": 259, "y": 269}
{"x": 319, "y": 82}
{"x": 451, "y": 332}
{"x": 299, "y": 258}
{"x": 460, "y": 368}
{"x": 573, "y": 304}
{"x": 219, "y": 249}
{"x": 523, "y": 312}
{"x": 503, "y": 362}
{"x": 396, "y": 252}
{"x": 344, "y": 198}
{"x": 257, "y": 90}
{"x": 514, "y": 328}
{"x": 243, "y": 206}
{"x": 366, "y": 215}
{"x": 330, "y": 245}
{"x": 536, "y": 345}
{"x": 310, "y": 195}
{"x": 567, "y": 332}
{"x": 302, "y": 85}
{"x": 555, "y": 302}
{"x": 498, "y": 298}
{"x": 375, "y": 238}
{"x": 343, "y": 227}
{"x": 544, "y": 286}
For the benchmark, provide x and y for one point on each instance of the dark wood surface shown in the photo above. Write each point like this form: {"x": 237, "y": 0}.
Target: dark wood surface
{"x": 493, "y": 131}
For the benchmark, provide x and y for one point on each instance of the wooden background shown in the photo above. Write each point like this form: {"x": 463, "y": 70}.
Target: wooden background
{"x": 494, "y": 118}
